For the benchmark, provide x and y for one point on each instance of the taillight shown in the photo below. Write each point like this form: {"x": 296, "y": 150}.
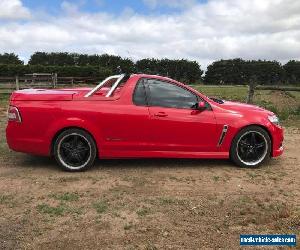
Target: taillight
{"x": 13, "y": 114}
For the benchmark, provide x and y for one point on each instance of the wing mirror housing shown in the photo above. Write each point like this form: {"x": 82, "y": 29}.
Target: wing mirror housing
{"x": 201, "y": 106}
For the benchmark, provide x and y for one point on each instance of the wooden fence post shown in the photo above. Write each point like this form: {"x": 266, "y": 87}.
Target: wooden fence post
{"x": 54, "y": 80}
{"x": 17, "y": 83}
{"x": 251, "y": 88}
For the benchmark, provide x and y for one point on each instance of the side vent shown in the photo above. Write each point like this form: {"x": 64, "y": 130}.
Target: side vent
{"x": 223, "y": 134}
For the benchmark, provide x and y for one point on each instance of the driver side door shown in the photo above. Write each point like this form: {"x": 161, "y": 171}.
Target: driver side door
{"x": 176, "y": 124}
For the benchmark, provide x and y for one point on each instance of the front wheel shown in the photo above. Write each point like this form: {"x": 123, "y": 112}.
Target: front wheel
{"x": 251, "y": 147}
{"x": 75, "y": 150}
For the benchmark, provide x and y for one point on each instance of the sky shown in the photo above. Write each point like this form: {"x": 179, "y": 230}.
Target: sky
{"x": 204, "y": 31}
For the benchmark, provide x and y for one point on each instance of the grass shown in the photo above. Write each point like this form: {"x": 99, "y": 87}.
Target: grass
{"x": 216, "y": 178}
{"x": 155, "y": 200}
{"x": 68, "y": 179}
{"x": 51, "y": 210}
{"x": 128, "y": 226}
{"x": 169, "y": 201}
{"x": 5, "y": 199}
{"x": 224, "y": 92}
{"x": 244, "y": 199}
{"x": 166, "y": 201}
{"x": 4, "y": 100}
{"x": 143, "y": 211}
{"x": 66, "y": 197}
{"x": 100, "y": 206}
{"x": 59, "y": 210}
{"x": 286, "y": 111}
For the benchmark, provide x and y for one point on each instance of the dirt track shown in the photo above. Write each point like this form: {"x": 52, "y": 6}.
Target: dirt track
{"x": 146, "y": 204}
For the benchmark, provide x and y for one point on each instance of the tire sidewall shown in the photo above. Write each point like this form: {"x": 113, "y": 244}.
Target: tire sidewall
{"x": 92, "y": 145}
{"x": 233, "y": 150}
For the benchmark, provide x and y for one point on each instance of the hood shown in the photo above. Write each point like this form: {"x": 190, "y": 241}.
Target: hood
{"x": 243, "y": 107}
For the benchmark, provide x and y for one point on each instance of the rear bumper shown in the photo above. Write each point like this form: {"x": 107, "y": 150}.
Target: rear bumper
{"x": 17, "y": 141}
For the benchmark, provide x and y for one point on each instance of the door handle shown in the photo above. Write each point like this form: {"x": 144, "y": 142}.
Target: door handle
{"x": 161, "y": 114}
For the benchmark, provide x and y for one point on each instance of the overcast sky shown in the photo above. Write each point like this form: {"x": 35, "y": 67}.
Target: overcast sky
{"x": 197, "y": 30}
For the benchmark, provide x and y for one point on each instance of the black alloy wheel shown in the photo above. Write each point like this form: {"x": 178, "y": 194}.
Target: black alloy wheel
{"x": 75, "y": 150}
{"x": 251, "y": 147}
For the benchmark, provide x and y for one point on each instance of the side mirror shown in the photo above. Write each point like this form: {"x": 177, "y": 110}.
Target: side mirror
{"x": 201, "y": 105}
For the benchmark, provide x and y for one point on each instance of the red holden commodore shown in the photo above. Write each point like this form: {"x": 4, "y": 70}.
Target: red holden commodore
{"x": 139, "y": 116}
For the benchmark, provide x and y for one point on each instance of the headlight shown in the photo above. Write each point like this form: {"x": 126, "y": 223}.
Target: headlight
{"x": 274, "y": 119}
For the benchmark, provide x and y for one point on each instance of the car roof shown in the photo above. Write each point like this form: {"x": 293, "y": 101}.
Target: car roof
{"x": 156, "y": 77}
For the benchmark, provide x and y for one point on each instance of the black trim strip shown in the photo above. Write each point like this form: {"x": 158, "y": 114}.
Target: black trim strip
{"x": 224, "y": 131}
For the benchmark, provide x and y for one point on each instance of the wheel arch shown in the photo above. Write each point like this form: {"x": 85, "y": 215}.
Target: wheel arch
{"x": 257, "y": 125}
{"x": 67, "y": 128}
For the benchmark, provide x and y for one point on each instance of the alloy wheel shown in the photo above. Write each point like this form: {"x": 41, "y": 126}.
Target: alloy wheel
{"x": 252, "y": 148}
{"x": 74, "y": 151}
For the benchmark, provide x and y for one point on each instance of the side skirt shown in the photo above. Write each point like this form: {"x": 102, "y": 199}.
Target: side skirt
{"x": 163, "y": 154}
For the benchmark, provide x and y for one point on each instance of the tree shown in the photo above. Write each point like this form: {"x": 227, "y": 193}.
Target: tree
{"x": 292, "y": 72}
{"x": 10, "y": 58}
{"x": 181, "y": 70}
{"x": 261, "y": 73}
{"x": 54, "y": 58}
{"x": 225, "y": 72}
{"x": 73, "y": 59}
{"x": 238, "y": 71}
{"x": 39, "y": 58}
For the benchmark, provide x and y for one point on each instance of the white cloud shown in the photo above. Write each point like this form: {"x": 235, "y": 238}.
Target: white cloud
{"x": 169, "y": 3}
{"x": 13, "y": 9}
{"x": 250, "y": 29}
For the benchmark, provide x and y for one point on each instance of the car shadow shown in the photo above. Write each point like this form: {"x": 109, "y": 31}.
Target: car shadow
{"x": 160, "y": 163}
{"x": 31, "y": 161}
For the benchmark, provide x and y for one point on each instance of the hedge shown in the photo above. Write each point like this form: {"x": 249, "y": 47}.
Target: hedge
{"x": 63, "y": 71}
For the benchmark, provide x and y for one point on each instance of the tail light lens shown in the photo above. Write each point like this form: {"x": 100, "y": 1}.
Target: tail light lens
{"x": 13, "y": 114}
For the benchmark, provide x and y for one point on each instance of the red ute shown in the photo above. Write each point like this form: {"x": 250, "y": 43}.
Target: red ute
{"x": 132, "y": 116}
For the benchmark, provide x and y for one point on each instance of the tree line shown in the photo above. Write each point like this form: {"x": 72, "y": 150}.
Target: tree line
{"x": 239, "y": 71}
{"x": 222, "y": 72}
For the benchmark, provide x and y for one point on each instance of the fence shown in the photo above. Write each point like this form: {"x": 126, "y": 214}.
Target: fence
{"x": 9, "y": 84}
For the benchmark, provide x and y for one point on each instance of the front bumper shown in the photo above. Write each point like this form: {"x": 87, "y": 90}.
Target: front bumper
{"x": 277, "y": 140}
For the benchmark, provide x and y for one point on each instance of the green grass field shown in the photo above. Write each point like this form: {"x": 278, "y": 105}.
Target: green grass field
{"x": 237, "y": 93}
{"x": 286, "y": 104}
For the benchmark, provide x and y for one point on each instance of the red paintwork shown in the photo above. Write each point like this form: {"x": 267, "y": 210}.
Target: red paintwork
{"x": 124, "y": 130}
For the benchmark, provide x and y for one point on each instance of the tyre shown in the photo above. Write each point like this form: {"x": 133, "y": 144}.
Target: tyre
{"x": 75, "y": 150}
{"x": 251, "y": 147}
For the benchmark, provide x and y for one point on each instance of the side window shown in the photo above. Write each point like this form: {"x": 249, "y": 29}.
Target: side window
{"x": 139, "y": 96}
{"x": 166, "y": 94}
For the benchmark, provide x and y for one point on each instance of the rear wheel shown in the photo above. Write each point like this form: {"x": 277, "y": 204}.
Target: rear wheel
{"x": 251, "y": 147}
{"x": 75, "y": 150}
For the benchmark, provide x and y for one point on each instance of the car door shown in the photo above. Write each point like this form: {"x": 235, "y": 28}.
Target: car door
{"x": 176, "y": 124}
